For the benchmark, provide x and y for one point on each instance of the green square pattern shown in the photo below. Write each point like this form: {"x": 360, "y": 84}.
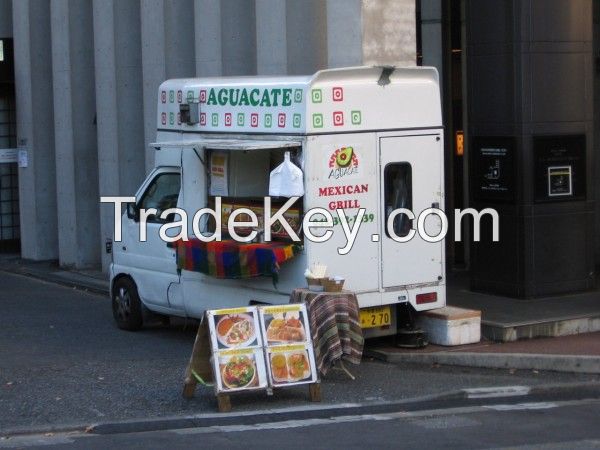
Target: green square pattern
{"x": 172, "y": 96}
{"x": 297, "y": 120}
{"x": 190, "y": 96}
{"x": 317, "y": 120}
{"x": 298, "y": 95}
{"x": 355, "y": 117}
{"x": 240, "y": 119}
{"x": 317, "y": 95}
{"x": 215, "y": 119}
{"x": 268, "y": 120}
{"x": 172, "y": 118}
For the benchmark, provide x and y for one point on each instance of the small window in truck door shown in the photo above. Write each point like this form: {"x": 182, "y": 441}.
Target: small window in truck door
{"x": 162, "y": 194}
{"x": 398, "y": 194}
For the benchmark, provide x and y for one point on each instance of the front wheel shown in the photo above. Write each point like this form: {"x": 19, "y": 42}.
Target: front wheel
{"x": 126, "y": 305}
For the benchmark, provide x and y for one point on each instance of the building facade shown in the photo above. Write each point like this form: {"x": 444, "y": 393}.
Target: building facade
{"x": 86, "y": 75}
{"x": 78, "y": 82}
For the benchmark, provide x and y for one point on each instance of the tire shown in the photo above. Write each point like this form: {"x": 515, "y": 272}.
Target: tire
{"x": 165, "y": 321}
{"x": 126, "y": 305}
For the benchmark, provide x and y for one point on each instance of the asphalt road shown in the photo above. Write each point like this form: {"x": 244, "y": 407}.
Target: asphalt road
{"x": 530, "y": 425}
{"x": 64, "y": 365}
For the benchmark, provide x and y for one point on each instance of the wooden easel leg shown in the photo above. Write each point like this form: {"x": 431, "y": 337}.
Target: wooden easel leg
{"x": 314, "y": 391}
{"x": 189, "y": 387}
{"x": 199, "y": 361}
{"x": 224, "y": 402}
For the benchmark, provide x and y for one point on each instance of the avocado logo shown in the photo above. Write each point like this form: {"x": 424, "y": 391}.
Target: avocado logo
{"x": 344, "y": 156}
{"x": 343, "y": 162}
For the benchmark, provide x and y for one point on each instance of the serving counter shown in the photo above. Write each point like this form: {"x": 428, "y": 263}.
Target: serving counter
{"x": 231, "y": 259}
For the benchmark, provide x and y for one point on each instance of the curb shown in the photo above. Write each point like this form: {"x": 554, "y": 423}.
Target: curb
{"x": 554, "y": 363}
{"x": 276, "y": 415}
{"x": 467, "y": 397}
{"x": 57, "y": 279}
{"x": 233, "y": 418}
{"x": 559, "y": 326}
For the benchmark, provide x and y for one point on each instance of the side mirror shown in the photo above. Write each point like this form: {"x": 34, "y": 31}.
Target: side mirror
{"x": 133, "y": 212}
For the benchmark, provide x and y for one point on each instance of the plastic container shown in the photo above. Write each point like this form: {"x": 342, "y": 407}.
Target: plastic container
{"x": 451, "y": 325}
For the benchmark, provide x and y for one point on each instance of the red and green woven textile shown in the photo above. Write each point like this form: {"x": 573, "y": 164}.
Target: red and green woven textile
{"x": 230, "y": 259}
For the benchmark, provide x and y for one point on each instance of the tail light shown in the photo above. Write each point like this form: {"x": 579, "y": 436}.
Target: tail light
{"x": 430, "y": 297}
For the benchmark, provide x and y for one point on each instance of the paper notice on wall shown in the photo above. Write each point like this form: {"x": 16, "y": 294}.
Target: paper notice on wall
{"x": 22, "y": 158}
{"x": 218, "y": 174}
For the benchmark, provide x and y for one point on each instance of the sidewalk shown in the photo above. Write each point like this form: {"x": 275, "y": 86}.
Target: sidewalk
{"x": 508, "y": 319}
{"x": 88, "y": 280}
{"x": 575, "y": 353}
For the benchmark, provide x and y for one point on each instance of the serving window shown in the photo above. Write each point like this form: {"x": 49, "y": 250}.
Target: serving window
{"x": 241, "y": 179}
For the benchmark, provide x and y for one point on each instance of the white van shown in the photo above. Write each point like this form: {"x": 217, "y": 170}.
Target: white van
{"x": 365, "y": 138}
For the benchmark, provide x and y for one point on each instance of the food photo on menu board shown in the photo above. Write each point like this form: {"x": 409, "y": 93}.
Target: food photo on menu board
{"x": 234, "y": 328}
{"x": 291, "y": 364}
{"x": 284, "y": 324}
{"x": 239, "y": 370}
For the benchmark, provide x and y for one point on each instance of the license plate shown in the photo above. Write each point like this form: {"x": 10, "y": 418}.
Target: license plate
{"x": 376, "y": 317}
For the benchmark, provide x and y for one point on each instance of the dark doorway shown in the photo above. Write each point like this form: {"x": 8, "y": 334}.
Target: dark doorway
{"x": 9, "y": 182}
{"x": 453, "y": 102}
{"x": 451, "y": 70}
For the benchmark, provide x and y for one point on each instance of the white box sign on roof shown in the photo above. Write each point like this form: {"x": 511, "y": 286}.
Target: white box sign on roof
{"x": 337, "y": 100}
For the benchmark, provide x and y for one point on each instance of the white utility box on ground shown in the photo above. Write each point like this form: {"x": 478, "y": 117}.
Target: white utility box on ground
{"x": 451, "y": 325}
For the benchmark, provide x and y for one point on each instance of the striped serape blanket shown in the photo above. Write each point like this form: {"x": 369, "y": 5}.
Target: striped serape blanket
{"x": 231, "y": 259}
{"x": 334, "y": 324}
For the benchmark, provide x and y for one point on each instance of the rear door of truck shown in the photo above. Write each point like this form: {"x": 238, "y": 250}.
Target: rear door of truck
{"x": 411, "y": 177}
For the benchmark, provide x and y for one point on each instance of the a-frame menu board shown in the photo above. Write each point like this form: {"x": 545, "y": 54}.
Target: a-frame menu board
{"x": 254, "y": 348}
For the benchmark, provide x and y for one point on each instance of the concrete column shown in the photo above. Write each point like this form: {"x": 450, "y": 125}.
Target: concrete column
{"x": 389, "y": 32}
{"x": 344, "y": 33}
{"x": 153, "y": 68}
{"x": 167, "y": 29}
{"x": 6, "y": 19}
{"x": 207, "y": 29}
{"x": 118, "y": 62}
{"x": 35, "y": 129}
{"x": 179, "y": 39}
{"x": 238, "y": 37}
{"x": 306, "y": 36}
{"x": 75, "y": 133}
{"x": 431, "y": 34}
{"x": 271, "y": 42}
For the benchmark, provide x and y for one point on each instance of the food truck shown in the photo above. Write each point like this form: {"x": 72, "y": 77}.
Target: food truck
{"x": 367, "y": 140}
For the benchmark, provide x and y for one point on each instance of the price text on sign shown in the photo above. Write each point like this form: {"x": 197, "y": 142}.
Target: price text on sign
{"x": 375, "y": 317}
{"x": 280, "y": 309}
